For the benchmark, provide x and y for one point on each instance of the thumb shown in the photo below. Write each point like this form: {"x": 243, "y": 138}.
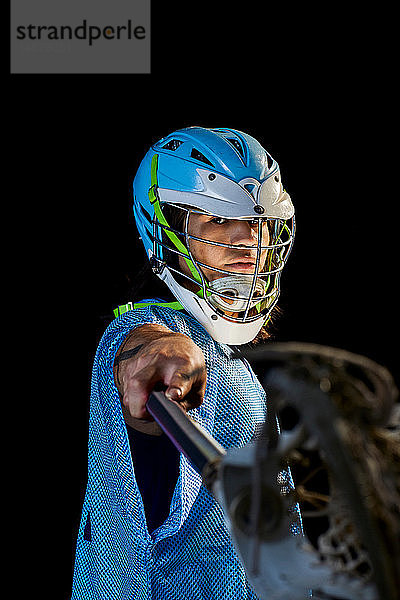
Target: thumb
{"x": 179, "y": 385}
{"x": 174, "y": 393}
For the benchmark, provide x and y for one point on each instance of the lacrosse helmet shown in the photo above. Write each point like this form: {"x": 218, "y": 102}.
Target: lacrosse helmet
{"x": 229, "y": 175}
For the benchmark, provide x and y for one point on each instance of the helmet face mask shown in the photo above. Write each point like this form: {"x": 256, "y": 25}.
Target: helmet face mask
{"x": 217, "y": 271}
{"x": 218, "y": 241}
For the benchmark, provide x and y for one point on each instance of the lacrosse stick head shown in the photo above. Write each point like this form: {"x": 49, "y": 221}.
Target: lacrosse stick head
{"x": 339, "y": 434}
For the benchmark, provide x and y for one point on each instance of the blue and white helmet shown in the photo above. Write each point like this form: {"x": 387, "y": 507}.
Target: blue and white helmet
{"x": 227, "y": 174}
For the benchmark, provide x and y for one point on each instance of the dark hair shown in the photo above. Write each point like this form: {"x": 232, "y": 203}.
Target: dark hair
{"x": 147, "y": 285}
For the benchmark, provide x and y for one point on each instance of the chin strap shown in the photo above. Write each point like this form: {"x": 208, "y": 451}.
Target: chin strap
{"x": 238, "y": 288}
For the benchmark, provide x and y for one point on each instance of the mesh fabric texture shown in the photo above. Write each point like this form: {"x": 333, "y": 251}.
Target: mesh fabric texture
{"x": 191, "y": 555}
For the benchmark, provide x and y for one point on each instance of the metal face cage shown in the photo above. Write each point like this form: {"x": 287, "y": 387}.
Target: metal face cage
{"x": 236, "y": 296}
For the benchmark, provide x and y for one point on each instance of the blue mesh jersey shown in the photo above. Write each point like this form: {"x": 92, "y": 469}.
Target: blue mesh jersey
{"x": 191, "y": 555}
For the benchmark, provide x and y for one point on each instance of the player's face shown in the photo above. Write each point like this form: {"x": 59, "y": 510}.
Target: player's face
{"x": 226, "y": 231}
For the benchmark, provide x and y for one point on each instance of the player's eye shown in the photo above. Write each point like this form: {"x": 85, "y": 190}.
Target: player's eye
{"x": 218, "y": 220}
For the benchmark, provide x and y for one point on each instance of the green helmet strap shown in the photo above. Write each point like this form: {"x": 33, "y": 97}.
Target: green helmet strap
{"x": 154, "y": 200}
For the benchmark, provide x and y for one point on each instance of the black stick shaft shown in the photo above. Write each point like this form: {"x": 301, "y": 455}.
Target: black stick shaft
{"x": 187, "y": 436}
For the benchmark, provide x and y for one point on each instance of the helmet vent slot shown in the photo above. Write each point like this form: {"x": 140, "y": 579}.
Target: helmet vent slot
{"x": 200, "y": 157}
{"x": 250, "y": 188}
{"x": 172, "y": 145}
{"x": 237, "y": 145}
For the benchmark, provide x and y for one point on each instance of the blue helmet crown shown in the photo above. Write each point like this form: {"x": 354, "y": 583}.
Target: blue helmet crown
{"x": 228, "y": 152}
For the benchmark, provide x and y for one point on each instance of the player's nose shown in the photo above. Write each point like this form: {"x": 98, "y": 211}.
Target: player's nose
{"x": 244, "y": 233}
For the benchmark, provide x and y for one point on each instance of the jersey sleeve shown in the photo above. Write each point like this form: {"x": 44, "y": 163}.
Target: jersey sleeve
{"x": 109, "y": 452}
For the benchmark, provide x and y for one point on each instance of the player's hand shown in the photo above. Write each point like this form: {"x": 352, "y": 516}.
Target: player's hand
{"x": 170, "y": 361}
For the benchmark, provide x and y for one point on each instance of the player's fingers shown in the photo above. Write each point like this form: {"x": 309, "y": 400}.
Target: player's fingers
{"x": 187, "y": 388}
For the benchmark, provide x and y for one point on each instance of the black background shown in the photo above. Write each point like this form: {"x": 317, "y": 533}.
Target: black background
{"x": 315, "y": 88}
